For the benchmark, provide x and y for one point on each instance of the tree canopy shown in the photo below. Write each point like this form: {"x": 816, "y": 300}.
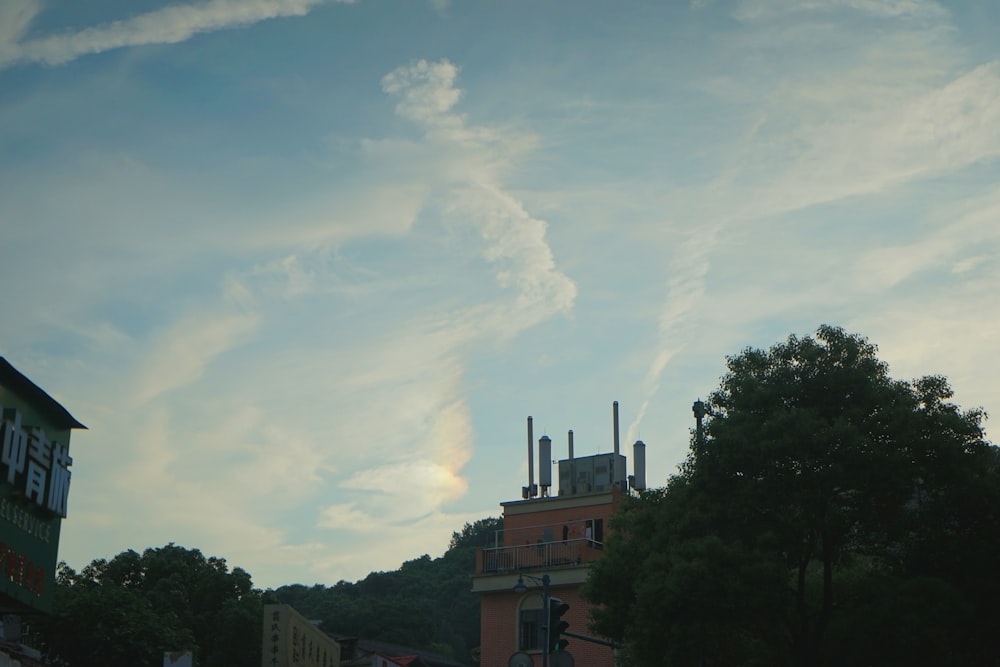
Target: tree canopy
{"x": 127, "y": 611}
{"x": 427, "y": 603}
{"x": 827, "y": 514}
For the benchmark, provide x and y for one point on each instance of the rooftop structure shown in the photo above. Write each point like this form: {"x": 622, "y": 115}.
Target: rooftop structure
{"x": 552, "y": 536}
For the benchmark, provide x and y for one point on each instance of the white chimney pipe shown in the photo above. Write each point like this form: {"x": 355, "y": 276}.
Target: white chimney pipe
{"x": 614, "y": 412}
{"x": 531, "y": 460}
{"x": 639, "y": 465}
{"x": 545, "y": 463}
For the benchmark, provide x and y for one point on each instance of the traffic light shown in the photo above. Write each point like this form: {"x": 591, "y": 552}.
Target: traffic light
{"x": 557, "y": 625}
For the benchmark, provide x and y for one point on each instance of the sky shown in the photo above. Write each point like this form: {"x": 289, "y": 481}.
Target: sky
{"x": 305, "y": 267}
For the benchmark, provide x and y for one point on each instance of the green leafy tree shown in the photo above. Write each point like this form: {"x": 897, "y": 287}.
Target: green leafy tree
{"x": 481, "y": 533}
{"x": 821, "y": 492}
{"x": 127, "y": 611}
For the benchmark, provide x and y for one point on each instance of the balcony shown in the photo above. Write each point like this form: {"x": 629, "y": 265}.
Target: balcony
{"x": 541, "y": 555}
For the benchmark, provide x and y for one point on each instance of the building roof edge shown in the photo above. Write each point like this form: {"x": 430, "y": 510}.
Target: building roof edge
{"x": 32, "y": 393}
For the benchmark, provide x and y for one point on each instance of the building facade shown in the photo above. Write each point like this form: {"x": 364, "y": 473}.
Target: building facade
{"x": 550, "y": 538}
{"x": 291, "y": 640}
{"x": 34, "y": 495}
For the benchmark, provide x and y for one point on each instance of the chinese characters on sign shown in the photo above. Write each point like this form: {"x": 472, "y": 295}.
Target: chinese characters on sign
{"x": 275, "y": 637}
{"x": 292, "y": 641}
{"x": 37, "y": 468}
{"x": 35, "y": 476}
{"x": 16, "y": 567}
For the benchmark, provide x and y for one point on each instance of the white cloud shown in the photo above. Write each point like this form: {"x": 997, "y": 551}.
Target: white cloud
{"x": 407, "y": 490}
{"x": 515, "y": 241}
{"x": 884, "y": 268}
{"x": 15, "y": 18}
{"x": 337, "y": 375}
{"x": 388, "y": 209}
{"x": 453, "y": 150}
{"x": 757, "y": 10}
{"x": 183, "y": 463}
{"x": 295, "y": 278}
{"x": 831, "y": 127}
{"x": 419, "y": 481}
{"x": 969, "y": 263}
{"x": 946, "y": 129}
{"x": 168, "y": 25}
{"x": 178, "y": 356}
{"x": 845, "y": 136}
{"x": 956, "y": 240}
{"x": 347, "y": 516}
{"x": 686, "y": 285}
{"x": 415, "y": 421}
{"x": 426, "y": 90}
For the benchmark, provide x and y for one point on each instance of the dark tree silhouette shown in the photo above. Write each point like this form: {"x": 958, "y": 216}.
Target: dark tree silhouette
{"x": 826, "y": 516}
{"x": 127, "y": 611}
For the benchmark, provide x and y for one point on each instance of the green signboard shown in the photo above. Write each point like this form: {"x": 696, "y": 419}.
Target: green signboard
{"x": 29, "y": 549}
{"x": 34, "y": 490}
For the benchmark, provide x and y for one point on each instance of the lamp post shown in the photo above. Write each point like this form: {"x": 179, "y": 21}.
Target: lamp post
{"x": 521, "y": 587}
{"x": 699, "y": 413}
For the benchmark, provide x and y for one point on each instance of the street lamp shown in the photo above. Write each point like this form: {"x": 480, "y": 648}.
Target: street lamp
{"x": 699, "y": 413}
{"x": 521, "y": 587}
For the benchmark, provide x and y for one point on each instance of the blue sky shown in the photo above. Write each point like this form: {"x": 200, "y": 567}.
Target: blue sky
{"x": 304, "y": 268}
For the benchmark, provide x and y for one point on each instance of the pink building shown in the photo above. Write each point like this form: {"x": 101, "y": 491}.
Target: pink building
{"x": 554, "y": 536}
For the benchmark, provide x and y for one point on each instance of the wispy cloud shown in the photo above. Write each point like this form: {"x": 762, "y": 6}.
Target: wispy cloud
{"x": 752, "y": 10}
{"x": 515, "y": 243}
{"x": 289, "y": 289}
{"x": 168, "y": 25}
{"x": 957, "y": 241}
{"x": 391, "y": 428}
{"x": 938, "y": 131}
{"x": 420, "y": 427}
{"x": 685, "y": 289}
{"x": 896, "y": 109}
{"x": 856, "y": 132}
{"x": 427, "y": 92}
{"x": 15, "y": 17}
{"x": 514, "y": 240}
{"x": 892, "y": 113}
{"x": 179, "y": 355}
{"x": 425, "y": 479}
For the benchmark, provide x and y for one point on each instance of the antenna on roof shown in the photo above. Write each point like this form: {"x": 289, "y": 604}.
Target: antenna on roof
{"x": 531, "y": 490}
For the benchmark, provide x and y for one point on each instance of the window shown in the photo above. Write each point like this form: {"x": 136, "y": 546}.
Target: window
{"x": 530, "y": 630}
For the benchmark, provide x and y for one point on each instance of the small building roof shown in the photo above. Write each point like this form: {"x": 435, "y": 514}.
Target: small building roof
{"x": 32, "y": 393}
{"x": 397, "y": 653}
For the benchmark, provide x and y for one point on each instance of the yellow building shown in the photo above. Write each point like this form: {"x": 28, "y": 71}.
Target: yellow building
{"x": 290, "y": 640}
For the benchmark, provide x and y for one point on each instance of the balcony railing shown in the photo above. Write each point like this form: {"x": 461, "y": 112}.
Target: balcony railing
{"x": 540, "y": 555}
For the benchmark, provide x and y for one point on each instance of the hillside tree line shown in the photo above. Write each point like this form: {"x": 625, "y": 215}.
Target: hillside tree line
{"x": 128, "y": 610}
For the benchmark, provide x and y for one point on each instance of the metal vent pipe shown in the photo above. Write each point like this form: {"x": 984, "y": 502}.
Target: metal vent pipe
{"x": 639, "y": 465}
{"x": 614, "y": 413}
{"x": 531, "y": 459}
{"x": 544, "y": 463}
